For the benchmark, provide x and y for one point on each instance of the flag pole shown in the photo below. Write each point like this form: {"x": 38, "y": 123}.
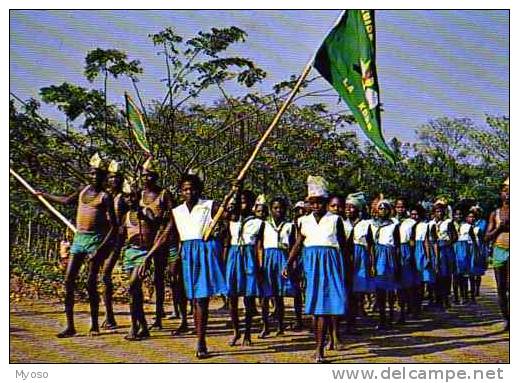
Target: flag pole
{"x": 260, "y": 143}
{"x": 44, "y": 201}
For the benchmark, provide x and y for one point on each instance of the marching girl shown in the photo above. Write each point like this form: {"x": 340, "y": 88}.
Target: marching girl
{"x": 261, "y": 209}
{"x": 409, "y": 280}
{"x": 336, "y": 206}
{"x": 400, "y": 210}
{"x": 423, "y": 255}
{"x": 480, "y": 227}
{"x": 445, "y": 235}
{"x": 387, "y": 261}
{"x": 201, "y": 260}
{"x": 360, "y": 241}
{"x": 242, "y": 272}
{"x": 477, "y": 260}
{"x": 461, "y": 251}
{"x": 278, "y": 238}
{"x": 298, "y": 275}
{"x": 321, "y": 237}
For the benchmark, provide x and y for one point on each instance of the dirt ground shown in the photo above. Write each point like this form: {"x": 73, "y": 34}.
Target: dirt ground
{"x": 464, "y": 334}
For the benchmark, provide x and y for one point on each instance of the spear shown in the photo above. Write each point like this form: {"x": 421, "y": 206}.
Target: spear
{"x": 259, "y": 145}
{"x": 43, "y": 201}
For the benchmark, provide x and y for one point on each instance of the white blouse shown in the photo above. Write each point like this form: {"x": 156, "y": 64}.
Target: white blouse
{"x": 323, "y": 233}
{"x": 192, "y": 224}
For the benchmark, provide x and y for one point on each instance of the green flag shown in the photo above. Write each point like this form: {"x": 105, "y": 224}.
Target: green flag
{"x": 136, "y": 123}
{"x": 346, "y": 59}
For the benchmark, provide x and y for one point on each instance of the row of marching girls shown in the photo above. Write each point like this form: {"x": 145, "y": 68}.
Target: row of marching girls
{"x": 398, "y": 252}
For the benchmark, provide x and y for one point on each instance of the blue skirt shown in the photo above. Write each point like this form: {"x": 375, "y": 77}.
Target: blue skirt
{"x": 325, "y": 281}
{"x": 424, "y": 268}
{"x": 362, "y": 282}
{"x": 462, "y": 263}
{"x": 274, "y": 261}
{"x": 202, "y": 268}
{"x": 446, "y": 259}
{"x": 409, "y": 275}
{"x": 241, "y": 274}
{"x": 477, "y": 261}
{"x": 385, "y": 268}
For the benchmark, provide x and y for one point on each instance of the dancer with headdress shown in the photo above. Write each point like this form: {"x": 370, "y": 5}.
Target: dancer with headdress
{"x": 138, "y": 232}
{"x": 96, "y": 223}
{"x": 498, "y": 232}
{"x": 115, "y": 186}
{"x": 160, "y": 202}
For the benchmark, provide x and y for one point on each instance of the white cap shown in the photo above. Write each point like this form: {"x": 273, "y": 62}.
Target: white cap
{"x": 317, "y": 186}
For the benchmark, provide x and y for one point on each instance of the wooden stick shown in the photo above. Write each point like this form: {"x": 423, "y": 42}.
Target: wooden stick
{"x": 43, "y": 201}
{"x": 260, "y": 143}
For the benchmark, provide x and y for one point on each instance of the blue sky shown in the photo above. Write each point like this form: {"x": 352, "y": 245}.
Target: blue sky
{"x": 430, "y": 63}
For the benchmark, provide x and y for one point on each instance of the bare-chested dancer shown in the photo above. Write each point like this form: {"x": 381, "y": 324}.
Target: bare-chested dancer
{"x": 115, "y": 185}
{"x": 136, "y": 230}
{"x": 498, "y": 232}
{"x": 160, "y": 202}
{"x": 95, "y": 221}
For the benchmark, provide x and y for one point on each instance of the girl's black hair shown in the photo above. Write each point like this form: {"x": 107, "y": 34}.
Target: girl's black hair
{"x": 338, "y": 196}
{"x": 461, "y": 208}
{"x": 249, "y": 195}
{"x": 192, "y": 178}
{"x": 419, "y": 209}
{"x": 280, "y": 200}
{"x": 401, "y": 198}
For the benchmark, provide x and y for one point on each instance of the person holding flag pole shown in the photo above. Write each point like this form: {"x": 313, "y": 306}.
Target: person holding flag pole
{"x": 201, "y": 259}
{"x": 346, "y": 59}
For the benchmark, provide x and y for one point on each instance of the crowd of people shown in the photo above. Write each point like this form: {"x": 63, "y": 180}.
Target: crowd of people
{"x": 334, "y": 255}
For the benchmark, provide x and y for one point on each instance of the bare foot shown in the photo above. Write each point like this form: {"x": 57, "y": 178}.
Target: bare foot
{"x": 181, "y": 329}
{"x": 235, "y": 339}
{"x": 67, "y": 333}
{"x": 109, "y": 324}
{"x": 132, "y": 337}
{"x": 263, "y": 334}
{"x": 93, "y": 332}
{"x": 246, "y": 341}
{"x": 157, "y": 324}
